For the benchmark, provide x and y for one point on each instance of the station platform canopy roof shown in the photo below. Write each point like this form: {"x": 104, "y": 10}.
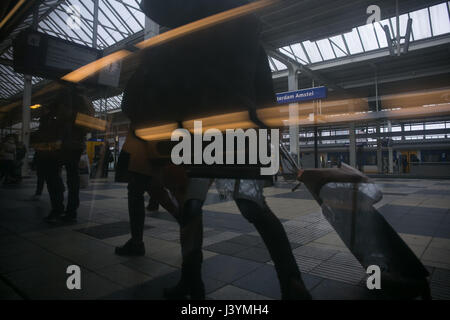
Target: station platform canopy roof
{"x": 288, "y": 28}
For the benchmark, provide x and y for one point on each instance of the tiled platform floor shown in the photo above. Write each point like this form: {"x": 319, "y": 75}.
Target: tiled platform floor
{"x": 34, "y": 256}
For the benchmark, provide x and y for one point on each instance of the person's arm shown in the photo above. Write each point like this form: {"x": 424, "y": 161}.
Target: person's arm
{"x": 315, "y": 179}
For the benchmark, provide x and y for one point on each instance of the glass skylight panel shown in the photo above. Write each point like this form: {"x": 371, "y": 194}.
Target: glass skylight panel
{"x": 272, "y": 65}
{"x": 108, "y": 15}
{"x": 312, "y": 51}
{"x": 130, "y": 3}
{"x": 132, "y": 22}
{"x": 381, "y": 35}
{"x": 403, "y": 25}
{"x": 440, "y": 19}
{"x": 287, "y": 51}
{"x": 417, "y": 127}
{"x": 368, "y": 37}
{"x": 300, "y": 53}
{"x": 353, "y": 42}
{"x": 339, "y": 46}
{"x": 434, "y": 126}
{"x": 421, "y": 24}
{"x": 280, "y": 66}
{"x": 325, "y": 49}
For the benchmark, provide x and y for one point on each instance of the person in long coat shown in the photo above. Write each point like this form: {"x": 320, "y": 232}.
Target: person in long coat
{"x": 220, "y": 69}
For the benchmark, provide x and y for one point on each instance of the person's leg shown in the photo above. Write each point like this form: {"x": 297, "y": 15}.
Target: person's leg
{"x": 55, "y": 187}
{"x": 8, "y": 171}
{"x": 40, "y": 179}
{"x": 160, "y": 195}
{"x": 71, "y": 162}
{"x": 138, "y": 184}
{"x": 191, "y": 240}
{"x": 105, "y": 169}
{"x": 3, "y": 167}
{"x": 153, "y": 204}
{"x": 256, "y": 211}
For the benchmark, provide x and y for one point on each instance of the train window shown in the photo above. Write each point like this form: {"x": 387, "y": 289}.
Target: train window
{"x": 434, "y": 126}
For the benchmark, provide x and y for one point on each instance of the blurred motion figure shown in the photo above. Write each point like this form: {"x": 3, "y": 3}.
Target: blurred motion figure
{"x": 220, "y": 68}
{"x": 61, "y": 143}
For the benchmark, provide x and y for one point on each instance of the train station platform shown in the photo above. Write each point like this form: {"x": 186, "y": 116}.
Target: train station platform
{"x": 34, "y": 256}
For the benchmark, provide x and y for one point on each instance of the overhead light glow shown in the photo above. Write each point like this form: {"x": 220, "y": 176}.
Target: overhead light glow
{"x": 206, "y": 23}
{"x": 90, "y": 69}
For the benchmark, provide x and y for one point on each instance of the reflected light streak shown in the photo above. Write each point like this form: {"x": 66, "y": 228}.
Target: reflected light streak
{"x": 96, "y": 66}
{"x": 11, "y": 13}
{"x": 90, "y": 69}
{"x": 206, "y": 23}
{"x": 222, "y": 122}
{"x": 272, "y": 118}
{"x": 163, "y": 132}
{"x": 84, "y": 120}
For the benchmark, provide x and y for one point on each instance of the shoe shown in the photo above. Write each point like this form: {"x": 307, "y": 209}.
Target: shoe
{"x": 152, "y": 208}
{"x": 70, "y": 217}
{"x": 404, "y": 288}
{"x": 296, "y": 290}
{"x": 53, "y": 217}
{"x": 131, "y": 249}
{"x": 184, "y": 291}
{"x": 36, "y": 197}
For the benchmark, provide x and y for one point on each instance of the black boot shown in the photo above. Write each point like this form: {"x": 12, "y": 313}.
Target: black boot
{"x": 53, "y": 217}
{"x": 184, "y": 290}
{"x": 277, "y": 243}
{"x": 70, "y": 217}
{"x": 295, "y": 289}
{"x": 191, "y": 237}
{"x": 401, "y": 288}
{"x": 131, "y": 249}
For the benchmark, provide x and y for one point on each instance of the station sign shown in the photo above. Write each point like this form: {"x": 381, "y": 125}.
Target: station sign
{"x": 42, "y": 55}
{"x": 302, "y": 95}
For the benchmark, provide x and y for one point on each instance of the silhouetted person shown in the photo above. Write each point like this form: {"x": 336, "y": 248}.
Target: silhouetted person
{"x": 7, "y": 158}
{"x": 63, "y": 142}
{"x": 40, "y": 173}
{"x": 224, "y": 68}
{"x": 135, "y": 167}
{"x": 107, "y": 159}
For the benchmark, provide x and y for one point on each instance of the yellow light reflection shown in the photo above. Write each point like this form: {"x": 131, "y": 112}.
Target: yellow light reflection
{"x": 11, "y": 13}
{"x": 90, "y": 69}
{"x": 163, "y": 132}
{"x": 86, "y": 121}
{"x": 36, "y": 106}
{"x": 237, "y": 120}
{"x": 206, "y": 23}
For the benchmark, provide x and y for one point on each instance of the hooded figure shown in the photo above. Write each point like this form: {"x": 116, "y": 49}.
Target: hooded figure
{"x": 60, "y": 143}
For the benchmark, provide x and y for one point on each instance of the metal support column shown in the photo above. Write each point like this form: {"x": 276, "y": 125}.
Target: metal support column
{"x": 294, "y": 129}
{"x": 379, "y": 151}
{"x": 26, "y": 103}
{"x": 316, "y": 147}
{"x": 390, "y": 149}
{"x": 26, "y": 119}
{"x": 352, "y": 145}
{"x": 95, "y": 26}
